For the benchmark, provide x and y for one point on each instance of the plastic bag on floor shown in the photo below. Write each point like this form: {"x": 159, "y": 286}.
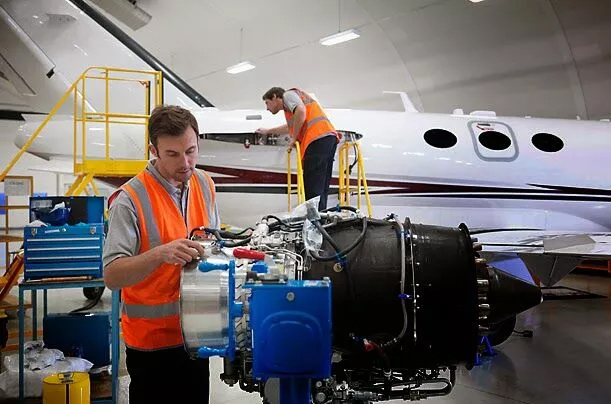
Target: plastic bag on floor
{"x": 9, "y": 379}
{"x": 36, "y": 356}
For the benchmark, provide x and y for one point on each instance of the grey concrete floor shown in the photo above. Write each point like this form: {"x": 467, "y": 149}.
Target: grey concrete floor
{"x": 568, "y": 360}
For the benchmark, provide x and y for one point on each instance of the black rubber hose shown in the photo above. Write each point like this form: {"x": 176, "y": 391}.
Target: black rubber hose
{"x": 244, "y": 231}
{"x": 336, "y": 208}
{"x": 228, "y": 234}
{"x": 228, "y": 243}
{"x": 236, "y": 243}
{"x": 222, "y": 233}
{"x": 273, "y": 217}
{"x": 285, "y": 227}
{"x": 341, "y": 253}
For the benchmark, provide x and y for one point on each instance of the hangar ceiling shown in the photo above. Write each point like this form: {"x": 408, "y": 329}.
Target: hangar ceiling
{"x": 549, "y": 58}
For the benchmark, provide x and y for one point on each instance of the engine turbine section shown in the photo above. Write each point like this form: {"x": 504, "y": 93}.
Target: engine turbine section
{"x": 379, "y": 310}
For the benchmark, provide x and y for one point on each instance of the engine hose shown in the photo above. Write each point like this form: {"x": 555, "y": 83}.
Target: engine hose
{"x": 222, "y": 236}
{"x": 273, "y": 217}
{"x": 285, "y": 227}
{"x": 327, "y": 237}
{"x": 337, "y": 208}
{"x": 222, "y": 233}
{"x": 237, "y": 236}
{"x": 240, "y": 243}
{"x": 342, "y": 253}
{"x": 403, "y": 308}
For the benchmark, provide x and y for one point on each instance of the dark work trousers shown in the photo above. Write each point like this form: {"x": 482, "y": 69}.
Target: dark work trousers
{"x": 318, "y": 168}
{"x": 167, "y": 376}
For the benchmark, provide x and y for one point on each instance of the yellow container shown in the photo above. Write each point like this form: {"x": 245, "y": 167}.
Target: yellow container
{"x": 66, "y": 388}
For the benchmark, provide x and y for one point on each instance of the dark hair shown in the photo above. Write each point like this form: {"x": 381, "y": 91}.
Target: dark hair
{"x": 274, "y": 91}
{"x": 170, "y": 120}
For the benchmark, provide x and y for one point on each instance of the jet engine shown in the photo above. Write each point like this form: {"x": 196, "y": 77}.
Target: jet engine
{"x": 335, "y": 307}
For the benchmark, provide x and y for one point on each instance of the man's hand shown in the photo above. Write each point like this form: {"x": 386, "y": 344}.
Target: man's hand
{"x": 291, "y": 145}
{"x": 180, "y": 252}
{"x": 263, "y": 131}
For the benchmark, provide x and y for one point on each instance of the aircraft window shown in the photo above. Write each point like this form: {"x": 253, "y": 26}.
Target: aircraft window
{"x": 547, "y": 142}
{"x": 440, "y": 138}
{"x": 494, "y": 140}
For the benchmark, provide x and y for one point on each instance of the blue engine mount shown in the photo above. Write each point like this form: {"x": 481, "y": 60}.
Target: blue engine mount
{"x": 290, "y": 327}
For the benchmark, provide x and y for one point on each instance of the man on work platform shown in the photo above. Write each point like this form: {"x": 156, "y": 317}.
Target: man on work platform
{"x": 145, "y": 250}
{"x": 307, "y": 123}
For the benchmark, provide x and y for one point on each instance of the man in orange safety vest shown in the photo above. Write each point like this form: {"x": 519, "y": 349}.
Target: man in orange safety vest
{"x": 307, "y": 123}
{"x": 145, "y": 250}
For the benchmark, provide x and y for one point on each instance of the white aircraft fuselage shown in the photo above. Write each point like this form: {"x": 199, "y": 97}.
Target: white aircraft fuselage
{"x": 519, "y": 186}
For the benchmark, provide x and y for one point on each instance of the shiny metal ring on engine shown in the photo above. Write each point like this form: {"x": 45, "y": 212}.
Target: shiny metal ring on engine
{"x": 203, "y": 305}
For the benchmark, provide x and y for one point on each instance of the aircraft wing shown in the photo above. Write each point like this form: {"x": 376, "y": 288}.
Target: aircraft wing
{"x": 54, "y": 166}
{"x": 548, "y": 255}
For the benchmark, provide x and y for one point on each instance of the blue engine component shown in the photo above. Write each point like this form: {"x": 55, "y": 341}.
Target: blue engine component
{"x": 290, "y": 325}
{"x": 291, "y": 335}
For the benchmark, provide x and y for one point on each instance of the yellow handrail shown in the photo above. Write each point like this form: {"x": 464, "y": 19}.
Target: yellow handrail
{"x": 300, "y": 184}
{"x": 344, "y": 179}
{"x": 345, "y": 182}
{"x": 157, "y": 78}
{"x": 34, "y": 135}
{"x": 289, "y": 174}
{"x": 120, "y": 118}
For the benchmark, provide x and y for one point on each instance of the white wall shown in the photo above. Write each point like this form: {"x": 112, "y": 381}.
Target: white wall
{"x": 43, "y": 182}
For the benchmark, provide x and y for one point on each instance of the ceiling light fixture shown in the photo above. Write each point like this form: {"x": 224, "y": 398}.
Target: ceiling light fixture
{"x": 476, "y": 1}
{"x": 244, "y": 65}
{"x": 240, "y": 67}
{"x": 340, "y": 36}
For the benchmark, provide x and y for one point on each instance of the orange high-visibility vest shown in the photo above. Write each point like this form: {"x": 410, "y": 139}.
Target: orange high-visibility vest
{"x": 150, "y": 317}
{"x": 316, "y": 122}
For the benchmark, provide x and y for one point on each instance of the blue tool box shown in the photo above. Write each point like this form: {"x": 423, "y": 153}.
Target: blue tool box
{"x": 73, "y": 243}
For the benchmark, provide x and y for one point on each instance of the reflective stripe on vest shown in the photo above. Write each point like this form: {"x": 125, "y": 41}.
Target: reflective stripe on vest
{"x": 316, "y": 122}
{"x": 145, "y": 213}
{"x": 151, "y": 311}
{"x": 150, "y": 314}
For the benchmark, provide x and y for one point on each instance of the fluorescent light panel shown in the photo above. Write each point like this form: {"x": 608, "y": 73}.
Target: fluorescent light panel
{"x": 240, "y": 67}
{"x": 340, "y": 37}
